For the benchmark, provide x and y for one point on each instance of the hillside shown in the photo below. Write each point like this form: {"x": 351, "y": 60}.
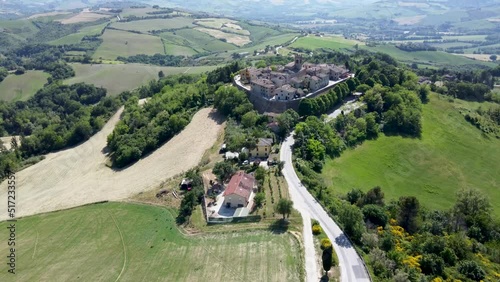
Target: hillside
{"x": 79, "y": 175}
{"x": 451, "y": 154}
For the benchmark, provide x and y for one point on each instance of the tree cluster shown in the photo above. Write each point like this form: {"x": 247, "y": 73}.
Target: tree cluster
{"x": 192, "y": 198}
{"x": 224, "y": 74}
{"x": 232, "y": 102}
{"x": 323, "y": 103}
{"x": 403, "y": 239}
{"x": 56, "y": 117}
{"x": 156, "y": 59}
{"x": 144, "y": 128}
{"x": 39, "y": 57}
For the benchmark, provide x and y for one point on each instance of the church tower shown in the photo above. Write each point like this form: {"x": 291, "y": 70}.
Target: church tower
{"x": 298, "y": 62}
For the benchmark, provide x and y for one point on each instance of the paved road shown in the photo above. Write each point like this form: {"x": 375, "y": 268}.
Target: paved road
{"x": 351, "y": 266}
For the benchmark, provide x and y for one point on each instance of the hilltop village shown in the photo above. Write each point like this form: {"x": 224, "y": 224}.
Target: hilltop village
{"x": 292, "y": 81}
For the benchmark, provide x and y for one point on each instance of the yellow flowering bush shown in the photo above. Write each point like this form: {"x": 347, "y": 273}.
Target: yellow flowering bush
{"x": 316, "y": 229}
{"x": 325, "y": 243}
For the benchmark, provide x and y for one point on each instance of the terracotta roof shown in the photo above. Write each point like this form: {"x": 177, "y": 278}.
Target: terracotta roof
{"x": 240, "y": 184}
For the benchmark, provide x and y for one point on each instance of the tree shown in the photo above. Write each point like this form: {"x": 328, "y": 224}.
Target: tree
{"x": 471, "y": 201}
{"x": 432, "y": 264}
{"x": 284, "y": 207}
{"x": 423, "y": 92}
{"x": 408, "y": 213}
{"x": 261, "y": 64}
{"x": 249, "y": 119}
{"x": 351, "y": 218}
{"x": 327, "y": 259}
{"x": 354, "y": 196}
{"x": 374, "y": 196}
{"x": 281, "y": 165}
{"x": 375, "y": 214}
{"x": 223, "y": 170}
{"x": 287, "y": 121}
{"x": 308, "y": 107}
{"x": 259, "y": 200}
{"x": 260, "y": 175}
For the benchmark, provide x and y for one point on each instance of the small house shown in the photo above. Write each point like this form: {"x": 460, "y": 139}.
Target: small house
{"x": 239, "y": 190}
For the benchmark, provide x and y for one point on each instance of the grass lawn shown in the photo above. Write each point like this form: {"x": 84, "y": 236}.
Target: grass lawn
{"x": 155, "y": 24}
{"x": 22, "y": 87}
{"x": 122, "y": 43}
{"x": 117, "y": 78}
{"x": 134, "y": 242}
{"x": 329, "y": 42}
{"x": 451, "y": 154}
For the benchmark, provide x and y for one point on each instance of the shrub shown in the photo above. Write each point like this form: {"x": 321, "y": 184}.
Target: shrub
{"x": 325, "y": 243}
{"x": 316, "y": 229}
{"x": 471, "y": 270}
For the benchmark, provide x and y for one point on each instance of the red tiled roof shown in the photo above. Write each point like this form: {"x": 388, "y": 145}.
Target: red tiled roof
{"x": 240, "y": 184}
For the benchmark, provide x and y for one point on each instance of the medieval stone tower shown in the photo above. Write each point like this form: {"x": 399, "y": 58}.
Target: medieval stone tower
{"x": 298, "y": 62}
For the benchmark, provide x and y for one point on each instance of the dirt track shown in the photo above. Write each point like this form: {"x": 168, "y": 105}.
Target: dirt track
{"x": 78, "y": 176}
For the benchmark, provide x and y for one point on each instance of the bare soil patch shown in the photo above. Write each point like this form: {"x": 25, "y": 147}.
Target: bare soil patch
{"x": 84, "y": 16}
{"x": 79, "y": 175}
{"x": 7, "y": 139}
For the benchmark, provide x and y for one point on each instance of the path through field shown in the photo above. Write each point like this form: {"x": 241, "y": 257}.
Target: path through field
{"x": 78, "y": 176}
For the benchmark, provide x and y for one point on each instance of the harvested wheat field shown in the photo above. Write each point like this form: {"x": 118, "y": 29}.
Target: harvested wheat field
{"x": 79, "y": 176}
{"x": 236, "y": 39}
{"x": 84, "y": 16}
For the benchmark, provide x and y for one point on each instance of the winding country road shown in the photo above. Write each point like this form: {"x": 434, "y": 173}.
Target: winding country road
{"x": 351, "y": 265}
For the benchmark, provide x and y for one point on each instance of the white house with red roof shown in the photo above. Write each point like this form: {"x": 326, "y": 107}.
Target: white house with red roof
{"x": 238, "y": 191}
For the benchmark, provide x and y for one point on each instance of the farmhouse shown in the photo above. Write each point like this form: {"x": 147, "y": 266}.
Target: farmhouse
{"x": 263, "y": 148}
{"x": 239, "y": 190}
{"x": 292, "y": 81}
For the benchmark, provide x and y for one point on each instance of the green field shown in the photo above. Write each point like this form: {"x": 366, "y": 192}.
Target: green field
{"x": 19, "y": 28}
{"x": 155, "y": 24}
{"x": 178, "y": 50}
{"x": 117, "y": 78}
{"x": 22, "y": 87}
{"x": 121, "y": 43}
{"x": 429, "y": 58}
{"x": 331, "y": 42}
{"x": 75, "y": 38}
{"x": 133, "y": 242}
{"x": 259, "y": 33}
{"x": 451, "y": 154}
